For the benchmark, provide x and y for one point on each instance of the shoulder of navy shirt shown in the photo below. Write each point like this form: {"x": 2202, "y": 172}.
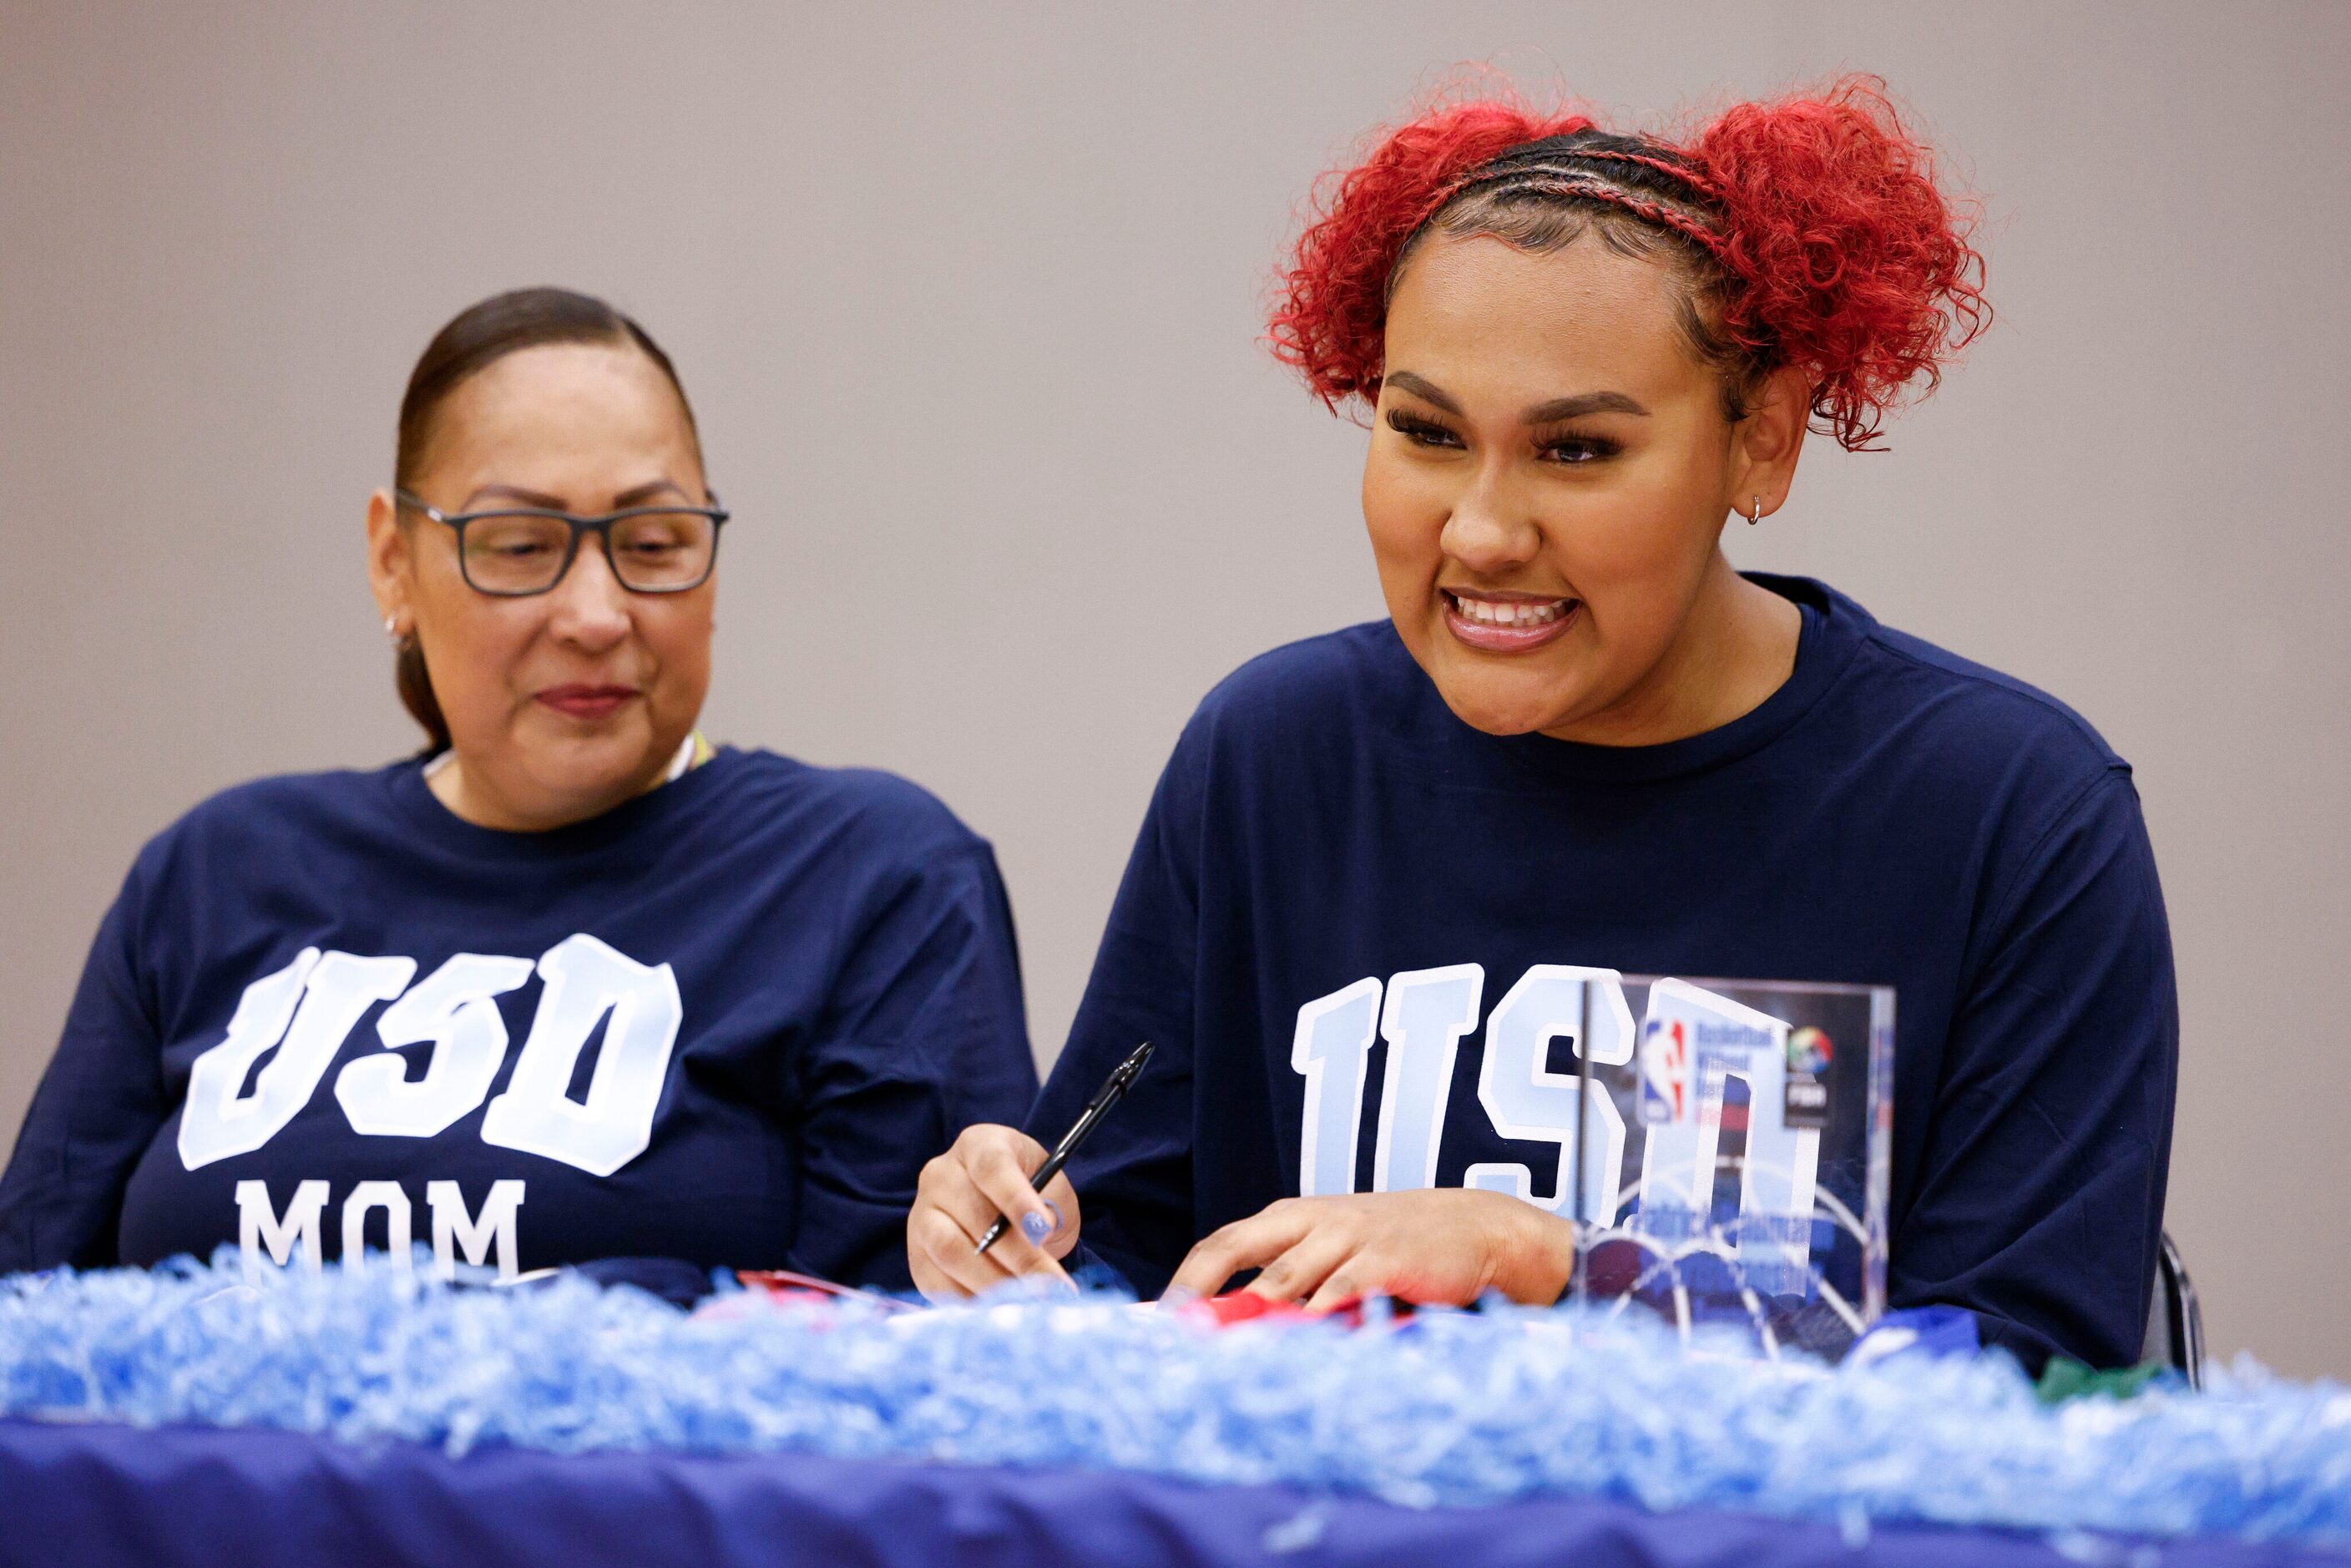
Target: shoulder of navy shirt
{"x": 848, "y": 992}
{"x": 1892, "y": 815}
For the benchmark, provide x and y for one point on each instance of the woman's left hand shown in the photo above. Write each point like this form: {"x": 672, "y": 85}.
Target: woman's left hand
{"x": 1439, "y": 1246}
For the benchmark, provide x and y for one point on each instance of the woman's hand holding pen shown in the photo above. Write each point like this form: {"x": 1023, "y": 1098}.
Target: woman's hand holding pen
{"x": 985, "y": 1173}
{"x": 1435, "y": 1246}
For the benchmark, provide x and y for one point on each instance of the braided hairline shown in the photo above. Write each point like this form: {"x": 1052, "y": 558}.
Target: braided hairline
{"x": 1557, "y": 174}
{"x": 1695, "y": 179}
{"x": 1582, "y": 183}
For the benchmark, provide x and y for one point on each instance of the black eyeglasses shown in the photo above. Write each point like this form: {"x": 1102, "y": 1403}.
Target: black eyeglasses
{"x": 521, "y": 550}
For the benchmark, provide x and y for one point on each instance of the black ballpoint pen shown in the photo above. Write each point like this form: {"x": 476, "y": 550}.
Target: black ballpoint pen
{"x": 1113, "y": 1087}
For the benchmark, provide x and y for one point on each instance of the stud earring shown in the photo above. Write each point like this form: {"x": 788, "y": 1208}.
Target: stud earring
{"x": 1756, "y": 516}
{"x": 392, "y": 629}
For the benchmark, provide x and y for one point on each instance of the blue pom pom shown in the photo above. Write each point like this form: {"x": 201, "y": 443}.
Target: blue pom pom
{"x": 1440, "y": 1408}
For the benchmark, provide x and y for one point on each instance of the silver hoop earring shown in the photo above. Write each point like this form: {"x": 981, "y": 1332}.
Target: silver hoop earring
{"x": 1756, "y": 516}
{"x": 391, "y": 629}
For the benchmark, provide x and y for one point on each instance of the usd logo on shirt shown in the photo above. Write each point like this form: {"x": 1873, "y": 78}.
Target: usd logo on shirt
{"x": 304, "y": 1012}
{"x": 1691, "y": 1042}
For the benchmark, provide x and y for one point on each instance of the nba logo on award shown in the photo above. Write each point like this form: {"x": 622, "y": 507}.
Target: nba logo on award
{"x": 1665, "y": 1071}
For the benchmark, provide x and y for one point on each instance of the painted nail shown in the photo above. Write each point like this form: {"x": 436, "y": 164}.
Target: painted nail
{"x": 1036, "y": 1225}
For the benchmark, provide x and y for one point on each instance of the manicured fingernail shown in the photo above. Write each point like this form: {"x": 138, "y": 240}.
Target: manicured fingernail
{"x": 1179, "y": 1296}
{"x": 1037, "y": 1225}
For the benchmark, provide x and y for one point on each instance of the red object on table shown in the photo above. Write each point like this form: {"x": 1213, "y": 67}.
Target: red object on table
{"x": 1244, "y": 1306}
{"x": 783, "y": 1284}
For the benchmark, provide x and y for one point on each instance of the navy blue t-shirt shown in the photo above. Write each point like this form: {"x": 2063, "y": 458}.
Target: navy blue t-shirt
{"x": 1891, "y": 816}
{"x": 725, "y": 1022}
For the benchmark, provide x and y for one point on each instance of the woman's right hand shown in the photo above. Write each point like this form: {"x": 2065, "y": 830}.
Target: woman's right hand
{"x": 983, "y": 1175}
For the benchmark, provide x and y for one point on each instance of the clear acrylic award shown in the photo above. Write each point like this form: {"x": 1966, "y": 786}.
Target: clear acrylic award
{"x": 1734, "y": 1155}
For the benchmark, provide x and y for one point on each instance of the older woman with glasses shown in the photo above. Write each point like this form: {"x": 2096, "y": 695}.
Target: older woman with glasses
{"x": 571, "y": 985}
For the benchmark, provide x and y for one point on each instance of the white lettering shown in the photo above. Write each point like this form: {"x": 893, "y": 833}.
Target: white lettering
{"x": 1526, "y": 1101}
{"x": 454, "y": 1228}
{"x": 259, "y": 1226}
{"x": 218, "y": 1120}
{"x": 1427, "y": 1012}
{"x": 454, "y": 1009}
{"x": 213, "y": 1104}
{"x": 1781, "y": 1169}
{"x": 398, "y": 1229}
{"x": 1333, "y": 1049}
{"x": 585, "y": 979}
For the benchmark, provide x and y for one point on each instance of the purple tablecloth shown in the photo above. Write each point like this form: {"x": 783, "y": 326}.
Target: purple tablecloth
{"x": 106, "y": 1494}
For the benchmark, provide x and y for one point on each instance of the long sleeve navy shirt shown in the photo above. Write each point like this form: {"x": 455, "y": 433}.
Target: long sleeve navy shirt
{"x": 725, "y": 1022}
{"x": 1892, "y": 816}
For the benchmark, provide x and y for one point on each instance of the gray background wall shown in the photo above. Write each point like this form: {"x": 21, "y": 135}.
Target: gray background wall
{"x": 968, "y": 296}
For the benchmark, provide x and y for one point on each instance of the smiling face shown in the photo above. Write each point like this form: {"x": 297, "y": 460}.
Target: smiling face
{"x": 560, "y": 705}
{"x": 1549, "y": 471}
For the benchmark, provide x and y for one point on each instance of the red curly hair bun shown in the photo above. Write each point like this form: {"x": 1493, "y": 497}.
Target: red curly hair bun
{"x": 1814, "y": 227}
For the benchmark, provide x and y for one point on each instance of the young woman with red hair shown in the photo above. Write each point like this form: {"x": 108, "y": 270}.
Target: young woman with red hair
{"x": 1583, "y": 738}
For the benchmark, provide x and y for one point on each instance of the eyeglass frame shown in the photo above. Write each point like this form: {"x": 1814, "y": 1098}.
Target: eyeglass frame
{"x": 601, "y": 526}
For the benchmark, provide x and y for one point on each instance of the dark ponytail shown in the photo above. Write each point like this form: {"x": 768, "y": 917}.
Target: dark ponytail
{"x": 476, "y": 337}
{"x": 415, "y": 686}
